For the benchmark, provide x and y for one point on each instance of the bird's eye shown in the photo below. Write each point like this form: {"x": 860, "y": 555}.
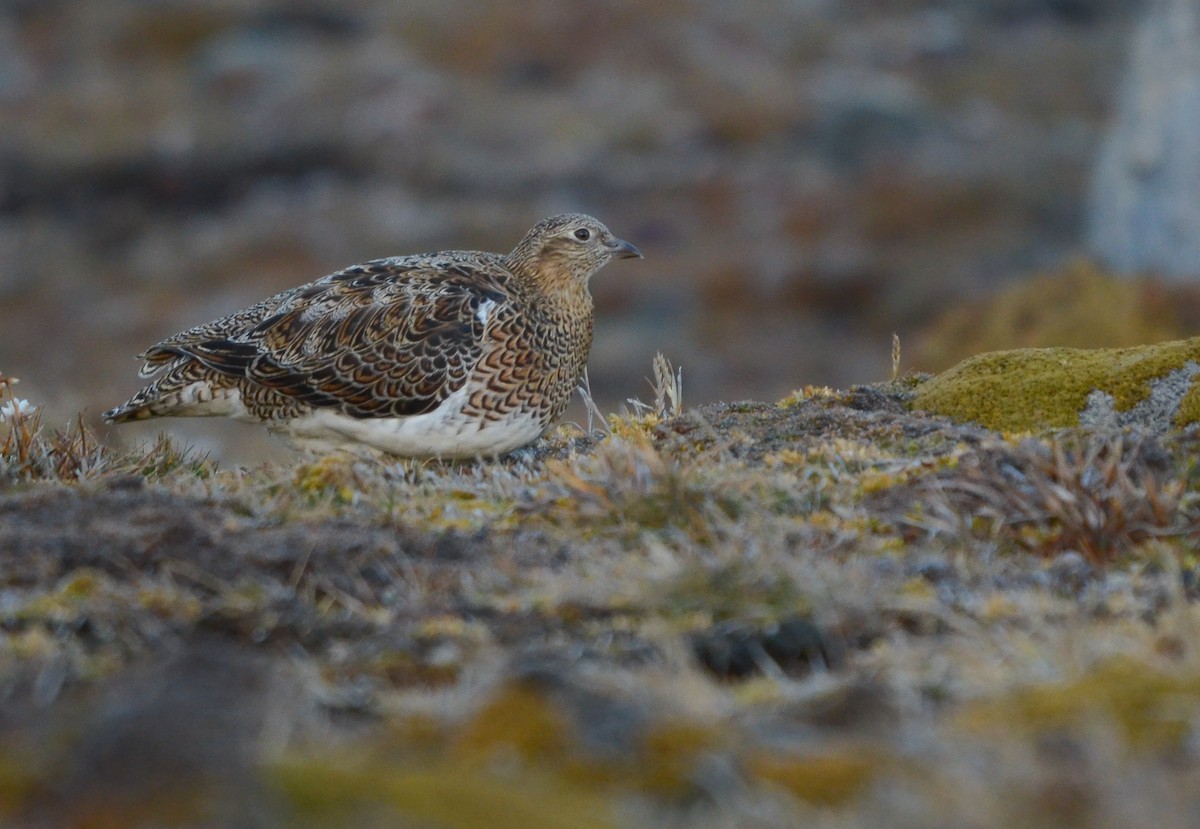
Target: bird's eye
{"x": 583, "y": 234}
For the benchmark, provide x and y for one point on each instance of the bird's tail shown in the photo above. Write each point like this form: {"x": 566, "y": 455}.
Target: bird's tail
{"x": 184, "y": 390}
{"x": 139, "y": 407}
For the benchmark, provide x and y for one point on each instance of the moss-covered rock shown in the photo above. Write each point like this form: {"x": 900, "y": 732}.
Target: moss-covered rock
{"x": 1150, "y": 386}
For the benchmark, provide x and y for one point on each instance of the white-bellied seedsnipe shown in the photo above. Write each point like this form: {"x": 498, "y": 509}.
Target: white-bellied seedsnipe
{"x": 453, "y": 355}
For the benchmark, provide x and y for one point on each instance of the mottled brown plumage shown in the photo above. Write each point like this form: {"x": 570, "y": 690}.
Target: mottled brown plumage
{"x": 450, "y": 354}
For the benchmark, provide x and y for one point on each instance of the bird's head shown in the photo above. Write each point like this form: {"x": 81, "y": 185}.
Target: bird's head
{"x": 567, "y": 250}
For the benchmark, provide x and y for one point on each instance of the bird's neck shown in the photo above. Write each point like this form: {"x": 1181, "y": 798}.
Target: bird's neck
{"x": 552, "y": 280}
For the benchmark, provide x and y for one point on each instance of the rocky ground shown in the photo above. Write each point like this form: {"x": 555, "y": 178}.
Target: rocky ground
{"x": 832, "y": 610}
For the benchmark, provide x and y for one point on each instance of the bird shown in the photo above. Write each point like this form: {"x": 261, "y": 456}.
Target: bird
{"x": 452, "y": 355}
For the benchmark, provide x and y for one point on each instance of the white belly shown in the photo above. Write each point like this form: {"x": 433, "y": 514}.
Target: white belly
{"x": 443, "y": 433}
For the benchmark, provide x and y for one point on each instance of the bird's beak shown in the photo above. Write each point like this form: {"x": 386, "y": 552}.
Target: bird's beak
{"x": 623, "y": 250}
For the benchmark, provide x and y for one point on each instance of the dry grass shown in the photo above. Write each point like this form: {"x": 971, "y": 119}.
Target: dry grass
{"x": 1099, "y": 495}
{"x": 31, "y": 452}
{"x": 1078, "y": 305}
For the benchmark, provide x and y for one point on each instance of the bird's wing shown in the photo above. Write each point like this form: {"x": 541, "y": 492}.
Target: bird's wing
{"x": 157, "y": 356}
{"x": 393, "y": 337}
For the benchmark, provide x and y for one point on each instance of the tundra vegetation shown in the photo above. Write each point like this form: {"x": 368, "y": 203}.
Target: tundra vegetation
{"x": 833, "y": 609}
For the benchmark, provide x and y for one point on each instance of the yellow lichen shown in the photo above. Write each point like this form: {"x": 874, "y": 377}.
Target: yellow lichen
{"x": 442, "y": 795}
{"x": 879, "y": 481}
{"x": 633, "y": 427}
{"x": 168, "y": 602}
{"x": 807, "y": 393}
{"x": 823, "y": 780}
{"x": 999, "y": 608}
{"x": 332, "y": 474}
{"x": 918, "y": 588}
{"x": 82, "y": 583}
{"x": 70, "y": 601}
{"x": 1151, "y": 709}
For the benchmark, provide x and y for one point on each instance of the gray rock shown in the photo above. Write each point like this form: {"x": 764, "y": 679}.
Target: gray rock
{"x": 1154, "y": 414}
{"x": 1145, "y": 214}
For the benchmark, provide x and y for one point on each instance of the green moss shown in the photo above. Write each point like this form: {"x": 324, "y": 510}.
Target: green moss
{"x": 524, "y": 723}
{"x": 1030, "y": 389}
{"x": 17, "y": 782}
{"x": 1189, "y": 407}
{"x": 70, "y": 601}
{"x": 446, "y": 796}
{"x": 521, "y": 719}
{"x": 1152, "y": 710}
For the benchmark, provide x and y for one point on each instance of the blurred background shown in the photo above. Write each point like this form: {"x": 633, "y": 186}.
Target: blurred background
{"x": 805, "y": 177}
